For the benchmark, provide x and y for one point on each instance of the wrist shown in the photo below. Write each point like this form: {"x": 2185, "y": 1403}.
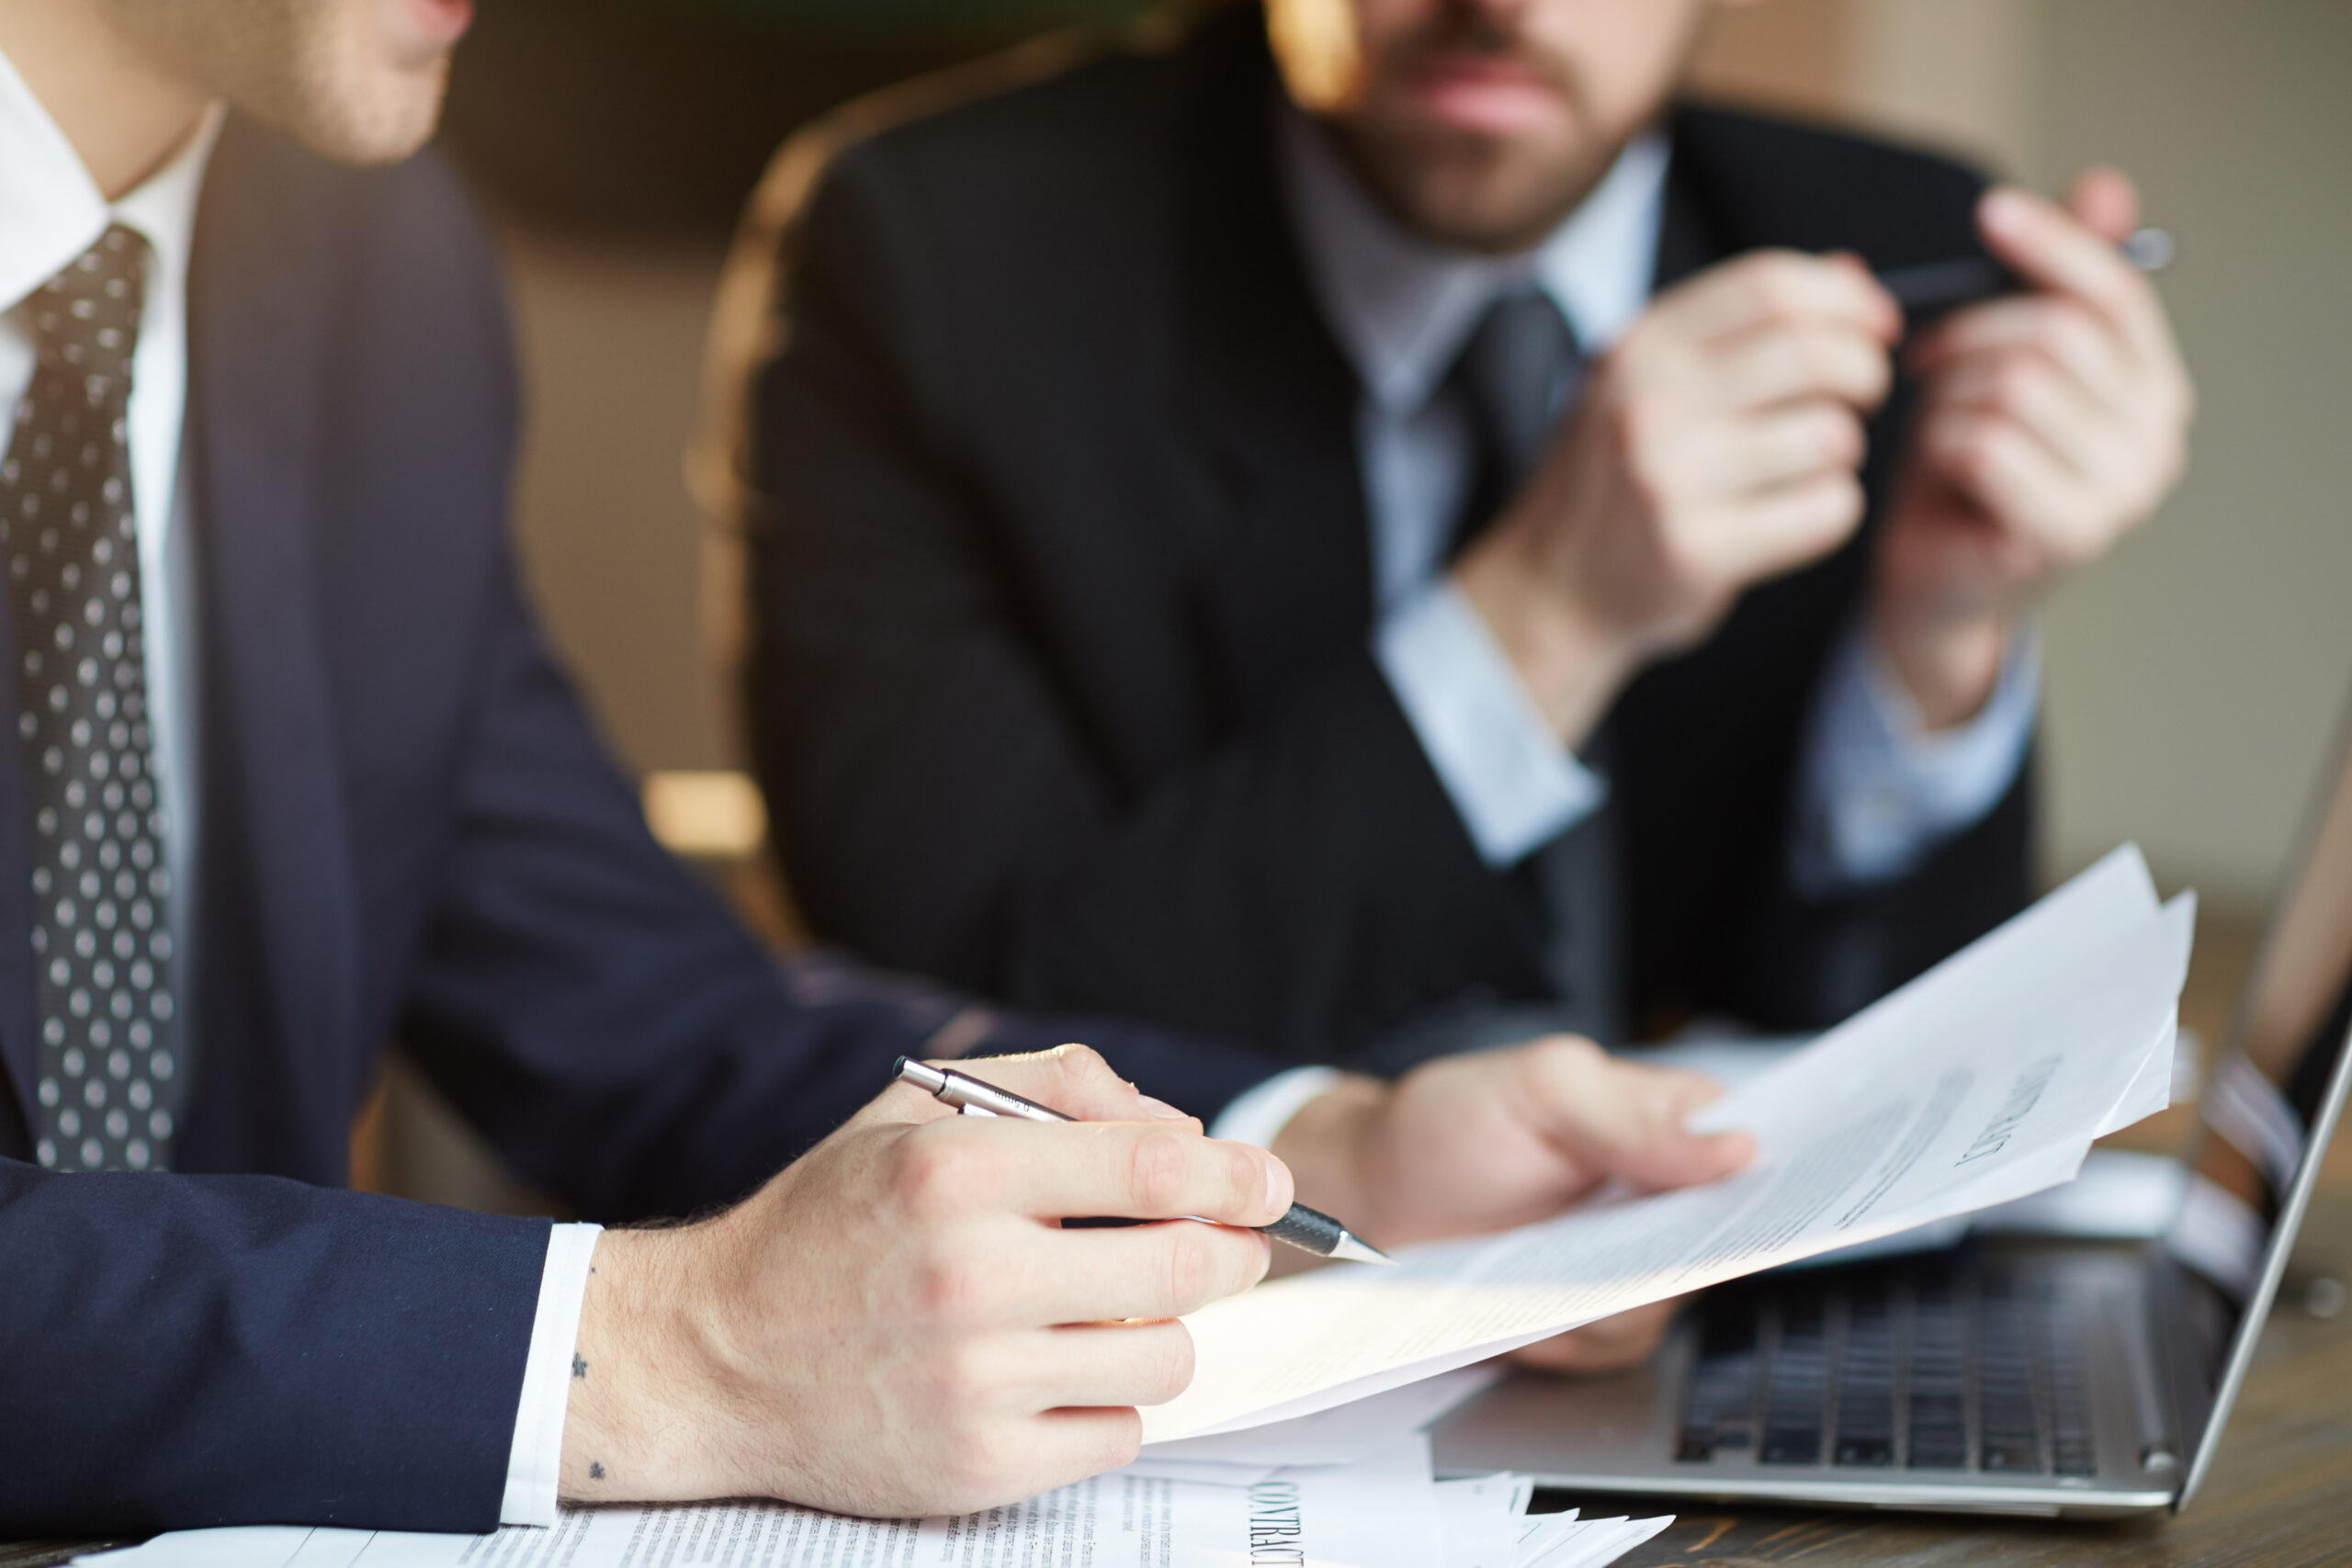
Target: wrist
{"x": 1949, "y": 668}
{"x": 637, "y": 1423}
{"x": 1570, "y": 666}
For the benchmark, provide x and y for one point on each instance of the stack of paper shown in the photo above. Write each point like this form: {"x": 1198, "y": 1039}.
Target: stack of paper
{"x": 1381, "y": 1511}
{"x": 1982, "y": 1081}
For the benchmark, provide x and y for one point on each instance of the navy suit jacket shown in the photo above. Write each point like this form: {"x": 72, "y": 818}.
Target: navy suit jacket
{"x": 410, "y": 833}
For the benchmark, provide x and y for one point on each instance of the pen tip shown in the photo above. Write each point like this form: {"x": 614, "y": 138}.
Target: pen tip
{"x": 1350, "y": 1250}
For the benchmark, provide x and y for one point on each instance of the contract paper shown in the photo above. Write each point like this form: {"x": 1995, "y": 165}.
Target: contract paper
{"x": 1982, "y": 1081}
{"x": 1380, "y": 1513}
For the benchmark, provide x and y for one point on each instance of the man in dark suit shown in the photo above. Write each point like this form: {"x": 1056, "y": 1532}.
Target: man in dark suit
{"x": 291, "y": 774}
{"x": 1461, "y": 556}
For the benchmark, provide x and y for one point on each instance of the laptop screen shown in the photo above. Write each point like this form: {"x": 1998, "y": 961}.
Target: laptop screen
{"x": 2273, "y": 1097}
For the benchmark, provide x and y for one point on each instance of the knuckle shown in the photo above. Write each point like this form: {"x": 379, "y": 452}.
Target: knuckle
{"x": 952, "y": 1287}
{"x": 1641, "y": 423}
{"x": 1567, "y": 1055}
{"x": 1245, "y": 1175}
{"x": 931, "y": 1168}
{"x": 962, "y": 1385}
{"x": 1079, "y": 1065}
{"x": 1776, "y": 284}
{"x": 1192, "y": 1268}
{"x": 1158, "y": 1165}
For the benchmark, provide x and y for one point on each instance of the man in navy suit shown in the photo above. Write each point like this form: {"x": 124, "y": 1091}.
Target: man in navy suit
{"x": 291, "y": 774}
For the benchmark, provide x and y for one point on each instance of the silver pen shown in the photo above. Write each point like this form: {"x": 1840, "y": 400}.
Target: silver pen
{"x": 1963, "y": 280}
{"x": 1310, "y": 1230}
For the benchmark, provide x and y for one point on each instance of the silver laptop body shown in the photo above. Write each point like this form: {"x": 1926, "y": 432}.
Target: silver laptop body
{"x": 2008, "y": 1375}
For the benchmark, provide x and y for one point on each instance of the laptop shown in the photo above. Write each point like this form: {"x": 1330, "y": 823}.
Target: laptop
{"x": 2031, "y": 1375}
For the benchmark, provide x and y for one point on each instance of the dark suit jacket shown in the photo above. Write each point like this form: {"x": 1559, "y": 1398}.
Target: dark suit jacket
{"x": 1061, "y": 685}
{"x": 408, "y": 830}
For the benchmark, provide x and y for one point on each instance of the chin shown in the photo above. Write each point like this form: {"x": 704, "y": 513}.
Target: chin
{"x": 1483, "y": 202}
{"x": 381, "y": 121}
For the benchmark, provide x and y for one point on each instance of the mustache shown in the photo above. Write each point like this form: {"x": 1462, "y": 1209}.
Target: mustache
{"x": 1476, "y": 32}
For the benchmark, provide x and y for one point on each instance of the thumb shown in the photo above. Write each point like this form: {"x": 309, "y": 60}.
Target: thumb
{"x": 1073, "y": 1079}
{"x": 2105, "y": 201}
{"x": 1670, "y": 1155}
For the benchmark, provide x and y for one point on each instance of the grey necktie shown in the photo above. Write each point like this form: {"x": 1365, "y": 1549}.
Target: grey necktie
{"x": 101, "y": 931}
{"x": 1520, "y": 374}
{"x": 1517, "y": 374}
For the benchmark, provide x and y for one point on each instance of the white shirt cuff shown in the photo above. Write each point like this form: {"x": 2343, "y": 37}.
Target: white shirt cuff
{"x": 1257, "y": 1115}
{"x": 1878, "y": 792}
{"x": 1514, "y": 784}
{"x": 535, "y": 1464}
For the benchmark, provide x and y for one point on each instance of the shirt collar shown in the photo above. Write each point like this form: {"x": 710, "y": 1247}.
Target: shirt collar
{"x": 1403, "y": 305}
{"x": 55, "y": 211}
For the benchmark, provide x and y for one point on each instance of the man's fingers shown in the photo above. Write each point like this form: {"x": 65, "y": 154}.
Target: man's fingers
{"x": 2017, "y": 478}
{"x": 1072, "y": 1079}
{"x": 1073, "y": 1444}
{"x": 2049, "y": 249}
{"x": 2045, "y": 404}
{"x": 1775, "y": 365}
{"x": 1784, "y": 286}
{"x": 1765, "y": 535}
{"x": 1627, "y": 1117}
{"x": 1062, "y": 1170}
{"x": 1766, "y": 451}
{"x": 1105, "y": 1273}
{"x": 2070, "y": 337}
{"x": 1098, "y": 1365}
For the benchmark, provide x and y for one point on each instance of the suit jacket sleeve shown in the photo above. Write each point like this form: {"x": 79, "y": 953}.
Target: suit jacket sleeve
{"x": 583, "y": 999}
{"x": 944, "y": 802}
{"x": 187, "y": 1350}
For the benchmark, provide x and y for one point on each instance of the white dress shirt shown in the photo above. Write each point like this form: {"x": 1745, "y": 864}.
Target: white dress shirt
{"x": 1875, "y": 792}
{"x": 53, "y": 213}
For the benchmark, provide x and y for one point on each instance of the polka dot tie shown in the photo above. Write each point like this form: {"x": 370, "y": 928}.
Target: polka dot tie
{"x": 101, "y": 888}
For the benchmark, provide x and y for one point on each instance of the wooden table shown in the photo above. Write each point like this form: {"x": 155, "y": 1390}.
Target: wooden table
{"x": 2279, "y": 1494}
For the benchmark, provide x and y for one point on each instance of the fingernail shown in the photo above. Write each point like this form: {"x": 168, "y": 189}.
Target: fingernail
{"x": 1160, "y": 1110}
{"x": 2006, "y": 211}
{"x": 1278, "y": 1186}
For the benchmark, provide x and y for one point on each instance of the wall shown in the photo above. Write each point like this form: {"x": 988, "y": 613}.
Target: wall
{"x": 2195, "y": 679}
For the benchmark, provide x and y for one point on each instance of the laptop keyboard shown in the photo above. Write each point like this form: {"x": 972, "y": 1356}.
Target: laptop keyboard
{"x": 1936, "y": 1367}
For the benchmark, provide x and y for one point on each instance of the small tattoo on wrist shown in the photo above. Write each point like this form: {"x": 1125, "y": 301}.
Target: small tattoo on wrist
{"x": 596, "y": 1471}
{"x": 578, "y": 1367}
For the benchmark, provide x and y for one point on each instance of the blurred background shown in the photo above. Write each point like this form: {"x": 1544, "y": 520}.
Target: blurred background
{"x": 2194, "y": 679}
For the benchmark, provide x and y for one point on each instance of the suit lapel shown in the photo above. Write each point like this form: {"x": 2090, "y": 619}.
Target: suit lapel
{"x": 274, "y": 871}
{"x": 1268, "y": 391}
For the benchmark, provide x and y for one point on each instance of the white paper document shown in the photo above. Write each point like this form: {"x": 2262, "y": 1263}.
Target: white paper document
{"x": 1982, "y": 1081}
{"x": 1379, "y": 1513}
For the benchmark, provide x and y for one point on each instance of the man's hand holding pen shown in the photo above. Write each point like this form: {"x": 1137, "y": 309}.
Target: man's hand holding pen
{"x": 960, "y": 1347}
{"x": 899, "y": 1325}
{"x": 1717, "y": 444}
{"x": 2051, "y": 423}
